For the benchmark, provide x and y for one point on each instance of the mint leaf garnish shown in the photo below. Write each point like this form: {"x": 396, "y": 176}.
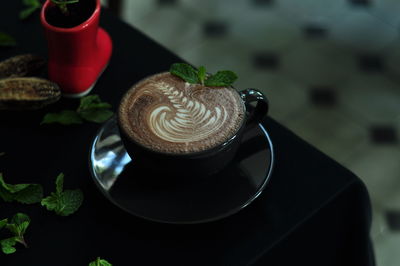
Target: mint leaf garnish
{"x": 23, "y": 193}
{"x": 18, "y": 226}
{"x": 185, "y": 72}
{"x": 100, "y": 262}
{"x": 31, "y": 6}
{"x": 66, "y": 117}
{"x": 202, "y": 74}
{"x": 221, "y": 79}
{"x": 224, "y": 78}
{"x": 7, "y": 40}
{"x": 91, "y": 108}
{"x": 62, "y": 202}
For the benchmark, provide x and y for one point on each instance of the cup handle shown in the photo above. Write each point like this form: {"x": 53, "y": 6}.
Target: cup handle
{"x": 257, "y": 113}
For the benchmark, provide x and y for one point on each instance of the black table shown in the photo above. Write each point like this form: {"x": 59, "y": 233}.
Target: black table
{"x": 313, "y": 211}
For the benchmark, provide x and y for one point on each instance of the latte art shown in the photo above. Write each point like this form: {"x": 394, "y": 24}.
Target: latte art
{"x": 166, "y": 114}
{"x": 185, "y": 119}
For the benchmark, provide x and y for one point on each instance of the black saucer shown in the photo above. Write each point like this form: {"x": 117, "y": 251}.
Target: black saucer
{"x": 211, "y": 198}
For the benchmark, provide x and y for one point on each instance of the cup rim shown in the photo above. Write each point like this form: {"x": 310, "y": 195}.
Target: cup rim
{"x": 76, "y": 28}
{"x": 214, "y": 149}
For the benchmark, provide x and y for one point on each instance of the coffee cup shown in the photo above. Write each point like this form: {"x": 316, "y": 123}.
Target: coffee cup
{"x": 173, "y": 128}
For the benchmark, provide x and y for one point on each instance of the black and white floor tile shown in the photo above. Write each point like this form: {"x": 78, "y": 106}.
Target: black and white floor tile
{"x": 331, "y": 70}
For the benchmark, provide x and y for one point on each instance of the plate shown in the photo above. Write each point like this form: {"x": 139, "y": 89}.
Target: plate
{"x": 123, "y": 181}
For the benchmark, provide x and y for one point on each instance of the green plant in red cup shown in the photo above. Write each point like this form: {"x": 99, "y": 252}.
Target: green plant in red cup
{"x": 63, "y": 5}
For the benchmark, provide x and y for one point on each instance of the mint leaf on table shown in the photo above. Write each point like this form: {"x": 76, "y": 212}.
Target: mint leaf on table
{"x": 7, "y": 40}
{"x": 23, "y": 193}
{"x": 91, "y": 102}
{"x": 31, "y": 6}
{"x": 221, "y": 78}
{"x": 91, "y": 108}
{"x": 18, "y": 226}
{"x": 62, "y": 202}
{"x": 7, "y": 245}
{"x": 100, "y": 262}
{"x": 185, "y": 72}
{"x": 66, "y": 117}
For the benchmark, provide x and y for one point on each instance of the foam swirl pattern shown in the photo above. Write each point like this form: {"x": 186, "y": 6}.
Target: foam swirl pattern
{"x": 166, "y": 114}
{"x": 190, "y": 119}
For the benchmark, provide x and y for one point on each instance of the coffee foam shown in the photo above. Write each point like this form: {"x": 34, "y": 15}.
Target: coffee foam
{"x": 166, "y": 114}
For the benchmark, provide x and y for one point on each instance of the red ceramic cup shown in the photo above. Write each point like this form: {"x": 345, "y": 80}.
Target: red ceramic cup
{"x": 78, "y": 55}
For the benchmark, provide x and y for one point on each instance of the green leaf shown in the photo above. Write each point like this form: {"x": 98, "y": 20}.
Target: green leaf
{"x": 92, "y": 109}
{"x": 23, "y": 193}
{"x": 97, "y": 115}
{"x": 24, "y": 14}
{"x": 63, "y": 203}
{"x": 59, "y": 183}
{"x": 12, "y": 188}
{"x": 7, "y": 245}
{"x": 3, "y": 223}
{"x": 32, "y": 194}
{"x": 71, "y": 201}
{"x": 91, "y": 102}
{"x": 66, "y": 117}
{"x": 51, "y": 202}
{"x": 19, "y": 224}
{"x": 185, "y": 72}
{"x": 202, "y": 74}
{"x": 7, "y": 40}
{"x": 221, "y": 79}
{"x": 32, "y": 6}
{"x": 100, "y": 262}
{"x": 13, "y": 228}
{"x": 64, "y": 2}
{"x": 5, "y": 195}
{"x": 21, "y": 221}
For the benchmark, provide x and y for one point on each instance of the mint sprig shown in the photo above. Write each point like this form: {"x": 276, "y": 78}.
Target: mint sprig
{"x": 65, "y": 202}
{"x": 224, "y": 78}
{"x": 23, "y": 193}
{"x": 17, "y": 227}
{"x": 100, "y": 262}
{"x": 30, "y": 7}
{"x": 221, "y": 78}
{"x": 185, "y": 72}
{"x": 91, "y": 109}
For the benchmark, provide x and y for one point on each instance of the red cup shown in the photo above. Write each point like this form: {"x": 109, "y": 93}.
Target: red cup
{"x": 78, "y": 55}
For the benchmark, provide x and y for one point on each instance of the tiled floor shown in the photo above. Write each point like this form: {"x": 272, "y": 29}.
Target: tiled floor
{"x": 331, "y": 69}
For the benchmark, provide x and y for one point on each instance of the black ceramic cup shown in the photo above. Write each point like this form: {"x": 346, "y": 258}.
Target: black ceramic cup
{"x": 198, "y": 164}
